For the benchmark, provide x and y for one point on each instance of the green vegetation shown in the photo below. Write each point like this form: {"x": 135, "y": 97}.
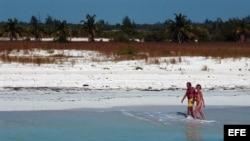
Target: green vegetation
{"x": 180, "y": 30}
{"x": 89, "y": 27}
{"x": 11, "y": 29}
{"x": 127, "y": 51}
{"x": 173, "y": 38}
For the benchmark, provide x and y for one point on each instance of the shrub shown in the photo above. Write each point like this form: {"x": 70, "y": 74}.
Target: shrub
{"x": 173, "y": 61}
{"x": 121, "y": 38}
{"x": 205, "y": 68}
{"x": 127, "y": 51}
{"x": 138, "y": 68}
{"x": 62, "y": 39}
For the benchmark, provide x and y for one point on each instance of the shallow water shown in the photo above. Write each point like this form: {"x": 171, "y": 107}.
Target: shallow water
{"x": 119, "y": 124}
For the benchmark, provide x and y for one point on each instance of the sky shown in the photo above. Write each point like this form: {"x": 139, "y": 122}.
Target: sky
{"x": 113, "y": 11}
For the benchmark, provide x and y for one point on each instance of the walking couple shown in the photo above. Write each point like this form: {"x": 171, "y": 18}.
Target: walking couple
{"x": 194, "y": 94}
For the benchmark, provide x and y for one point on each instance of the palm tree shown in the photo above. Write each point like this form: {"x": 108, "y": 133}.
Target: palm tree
{"x": 217, "y": 30}
{"x": 128, "y": 27}
{"x": 180, "y": 29}
{"x": 89, "y": 26}
{"x": 12, "y": 29}
{"x": 36, "y": 30}
{"x": 99, "y": 27}
{"x": 49, "y": 25}
{"x": 242, "y": 30}
{"x": 61, "y": 30}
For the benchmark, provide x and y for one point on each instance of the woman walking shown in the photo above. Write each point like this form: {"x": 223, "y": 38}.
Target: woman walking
{"x": 199, "y": 103}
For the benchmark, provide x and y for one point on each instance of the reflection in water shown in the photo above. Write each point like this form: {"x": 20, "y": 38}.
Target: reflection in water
{"x": 193, "y": 131}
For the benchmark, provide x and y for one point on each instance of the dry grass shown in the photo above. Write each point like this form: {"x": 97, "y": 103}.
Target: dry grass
{"x": 129, "y": 51}
{"x": 32, "y": 60}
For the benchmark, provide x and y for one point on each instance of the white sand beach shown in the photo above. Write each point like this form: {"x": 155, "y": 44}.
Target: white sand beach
{"x": 80, "y": 82}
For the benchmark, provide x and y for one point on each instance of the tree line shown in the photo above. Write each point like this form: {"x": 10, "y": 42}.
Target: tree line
{"x": 180, "y": 29}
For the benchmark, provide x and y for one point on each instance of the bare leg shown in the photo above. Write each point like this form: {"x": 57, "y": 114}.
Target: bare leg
{"x": 202, "y": 114}
{"x": 192, "y": 113}
{"x": 197, "y": 109}
{"x": 195, "y": 113}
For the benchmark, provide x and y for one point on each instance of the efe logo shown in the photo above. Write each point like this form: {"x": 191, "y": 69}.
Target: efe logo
{"x": 236, "y": 132}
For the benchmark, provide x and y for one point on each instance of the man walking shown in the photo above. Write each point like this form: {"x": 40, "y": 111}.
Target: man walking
{"x": 190, "y": 94}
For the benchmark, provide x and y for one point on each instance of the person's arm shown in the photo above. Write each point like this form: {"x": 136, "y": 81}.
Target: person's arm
{"x": 203, "y": 100}
{"x": 195, "y": 95}
{"x": 183, "y": 98}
